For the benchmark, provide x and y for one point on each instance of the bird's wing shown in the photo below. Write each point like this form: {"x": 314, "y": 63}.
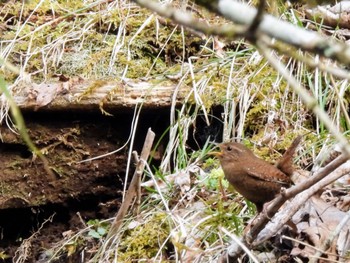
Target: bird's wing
{"x": 276, "y": 177}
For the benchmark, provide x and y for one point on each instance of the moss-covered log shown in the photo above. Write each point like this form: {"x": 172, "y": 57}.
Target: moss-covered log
{"x": 104, "y": 95}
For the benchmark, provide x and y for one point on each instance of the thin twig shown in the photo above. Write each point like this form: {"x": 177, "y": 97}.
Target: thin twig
{"x": 134, "y": 184}
{"x": 242, "y": 14}
{"x": 293, "y": 191}
{"x": 239, "y": 243}
{"x": 253, "y": 27}
{"x": 282, "y": 217}
{"x": 138, "y": 187}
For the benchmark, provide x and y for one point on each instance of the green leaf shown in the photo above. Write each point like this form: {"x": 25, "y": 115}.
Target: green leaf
{"x": 102, "y": 231}
{"x": 94, "y": 234}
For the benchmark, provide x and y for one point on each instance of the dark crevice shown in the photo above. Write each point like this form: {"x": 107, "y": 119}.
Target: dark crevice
{"x": 92, "y": 189}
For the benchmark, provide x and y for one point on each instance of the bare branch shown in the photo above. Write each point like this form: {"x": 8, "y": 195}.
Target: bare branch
{"x": 243, "y": 14}
{"x": 282, "y": 217}
{"x": 255, "y": 232}
{"x": 252, "y": 30}
{"x": 186, "y": 19}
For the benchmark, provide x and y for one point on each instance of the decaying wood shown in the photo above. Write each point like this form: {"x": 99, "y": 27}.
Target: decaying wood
{"x": 89, "y": 95}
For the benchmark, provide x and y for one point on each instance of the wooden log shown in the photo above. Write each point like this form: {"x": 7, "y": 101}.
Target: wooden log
{"x": 83, "y": 95}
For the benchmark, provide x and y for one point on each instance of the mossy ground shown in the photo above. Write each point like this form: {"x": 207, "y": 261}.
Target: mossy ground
{"x": 117, "y": 39}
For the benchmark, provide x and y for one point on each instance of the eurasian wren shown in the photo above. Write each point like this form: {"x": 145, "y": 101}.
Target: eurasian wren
{"x": 255, "y": 179}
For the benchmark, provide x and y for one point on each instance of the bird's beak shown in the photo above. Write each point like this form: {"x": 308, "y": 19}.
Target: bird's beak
{"x": 217, "y": 154}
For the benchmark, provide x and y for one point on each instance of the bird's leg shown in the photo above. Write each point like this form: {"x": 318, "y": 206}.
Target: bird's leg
{"x": 265, "y": 210}
{"x": 266, "y": 205}
{"x": 223, "y": 194}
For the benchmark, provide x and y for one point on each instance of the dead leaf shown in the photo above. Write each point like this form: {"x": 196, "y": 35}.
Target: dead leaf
{"x": 335, "y": 16}
{"x": 316, "y": 222}
{"x": 46, "y": 93}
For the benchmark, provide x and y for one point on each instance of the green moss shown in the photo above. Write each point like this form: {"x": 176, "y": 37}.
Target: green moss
{"x": 223, "y": 213}
{"x": 6, "y": 189}
{"x": 85, "y": 45}
{"x": 92, "y": 88}
{"x": 144, "y": 241}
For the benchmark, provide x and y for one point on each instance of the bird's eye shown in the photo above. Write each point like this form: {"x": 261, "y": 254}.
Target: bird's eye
{"x": 229, "y": 148}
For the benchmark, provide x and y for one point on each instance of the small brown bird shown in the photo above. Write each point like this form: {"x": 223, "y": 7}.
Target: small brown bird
{"x": 255, "y": 179}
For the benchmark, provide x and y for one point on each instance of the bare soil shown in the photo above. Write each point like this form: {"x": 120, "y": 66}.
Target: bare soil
{"x": 80, "y": 190}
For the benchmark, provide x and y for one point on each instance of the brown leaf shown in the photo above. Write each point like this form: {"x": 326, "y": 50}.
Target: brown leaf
{"x": 335, "y": 16}
{"x": 46, "y": 93}
{"x": 316, "y": 222}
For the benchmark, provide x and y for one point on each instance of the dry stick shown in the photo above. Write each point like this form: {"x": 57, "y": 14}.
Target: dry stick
{"x": 189, "y": 20}
{"x": 291, "y": 192}
{"x": 134, "y": 184}
{"x": 242, "y": 15}
{"x": 287, "y": 213}
{"x": 252, "y": 29}
{"x": 138, "y": 188}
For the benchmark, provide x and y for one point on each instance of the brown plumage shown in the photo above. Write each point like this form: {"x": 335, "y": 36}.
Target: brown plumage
{"x": 285, "y": 163}
{"x": 255, "y": 179}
